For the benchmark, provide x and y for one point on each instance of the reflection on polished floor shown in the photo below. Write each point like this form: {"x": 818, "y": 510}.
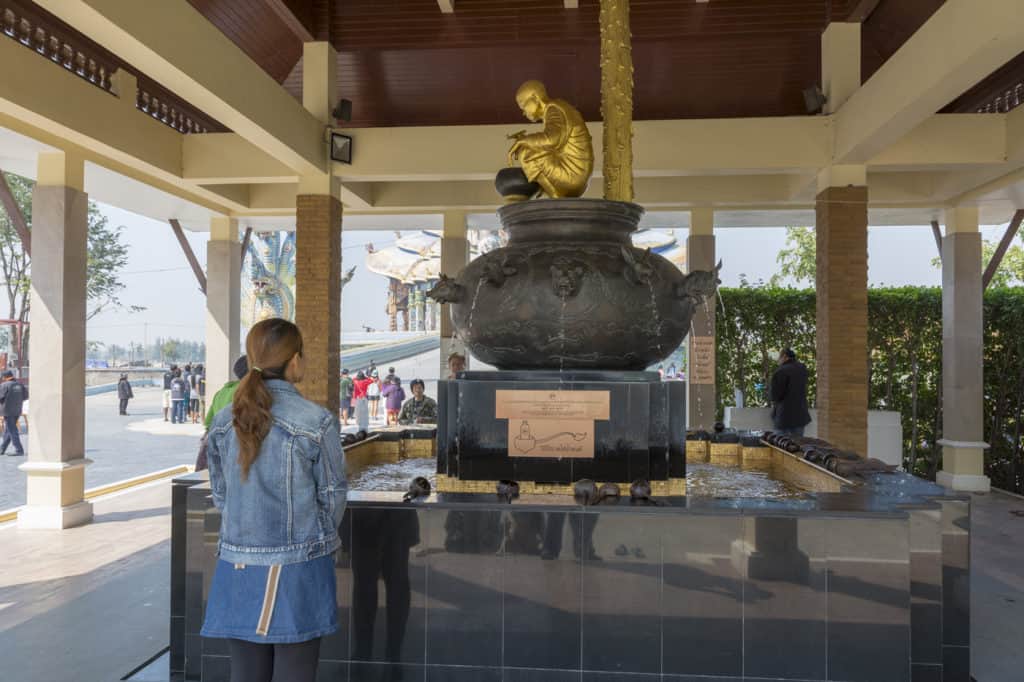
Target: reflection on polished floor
{"x": 102, "y": 591}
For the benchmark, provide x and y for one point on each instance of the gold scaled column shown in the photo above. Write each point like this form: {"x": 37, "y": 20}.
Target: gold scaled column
{"x": 617, "y": 99}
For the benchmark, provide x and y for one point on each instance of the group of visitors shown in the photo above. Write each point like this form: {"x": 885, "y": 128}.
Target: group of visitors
{"x": 184, "y": 394}
{"x": 362, "y": 393}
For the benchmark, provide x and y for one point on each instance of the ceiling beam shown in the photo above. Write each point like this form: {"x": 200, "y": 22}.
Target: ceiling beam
{"x": 227, "y": 158}
{"x": 446, "y": 6}
{"x": 860, "y": 12}
{"x": 173, "y": 43}
{"x": 288, "y": 18}
{"x": 957, "y": 47}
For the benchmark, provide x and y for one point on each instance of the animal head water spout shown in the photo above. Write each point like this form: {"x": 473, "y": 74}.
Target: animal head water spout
{"x": 699, "y": 285}
{"x": 447, "y": 290}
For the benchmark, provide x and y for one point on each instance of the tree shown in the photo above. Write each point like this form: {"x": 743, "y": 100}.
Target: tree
{"x": 107, "y": 255}
{"x": 798, "y": 259}
{"x": 1010, "y": 271}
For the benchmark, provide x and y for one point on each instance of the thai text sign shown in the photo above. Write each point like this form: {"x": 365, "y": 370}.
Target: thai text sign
{"x": 551, "y": 423}
{"x": 702, "y": 360}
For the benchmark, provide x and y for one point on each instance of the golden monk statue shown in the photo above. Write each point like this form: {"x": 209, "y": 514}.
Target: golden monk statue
{"x": 560, "y": 158}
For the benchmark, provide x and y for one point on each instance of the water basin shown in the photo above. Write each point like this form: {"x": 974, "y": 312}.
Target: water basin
{"x": 702, "y": 480}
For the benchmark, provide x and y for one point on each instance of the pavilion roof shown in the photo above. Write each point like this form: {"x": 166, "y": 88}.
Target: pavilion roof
{"x": 405, "y": 63}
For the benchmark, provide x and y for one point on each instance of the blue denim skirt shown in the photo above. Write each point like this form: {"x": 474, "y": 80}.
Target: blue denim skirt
{"x": 281, "y": 604}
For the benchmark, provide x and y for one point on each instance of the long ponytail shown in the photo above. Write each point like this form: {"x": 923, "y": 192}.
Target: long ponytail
{"x": 270, "y": 346}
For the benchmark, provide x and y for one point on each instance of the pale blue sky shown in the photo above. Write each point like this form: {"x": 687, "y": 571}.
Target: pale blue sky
{"x": 159, "y": 278}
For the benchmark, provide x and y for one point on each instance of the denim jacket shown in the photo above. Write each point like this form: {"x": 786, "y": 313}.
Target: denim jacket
{"x": 290, "y": 507}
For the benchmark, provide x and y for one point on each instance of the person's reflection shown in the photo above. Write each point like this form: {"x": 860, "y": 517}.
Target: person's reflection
{"x": 381, "y": 539}
{"x": 582, "y": 536}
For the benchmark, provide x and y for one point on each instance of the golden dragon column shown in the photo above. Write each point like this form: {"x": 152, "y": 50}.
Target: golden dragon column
{"x": 617, "y": 99}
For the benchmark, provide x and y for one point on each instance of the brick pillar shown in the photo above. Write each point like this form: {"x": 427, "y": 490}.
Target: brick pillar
{"x": 454, "y": 256}
{"x": 318, "y": 294}
{"x": 963, "y": 449}
{"x": 55, "y": 481}
{"x": 842, "y": 338}
{"x": 700, "y": 380}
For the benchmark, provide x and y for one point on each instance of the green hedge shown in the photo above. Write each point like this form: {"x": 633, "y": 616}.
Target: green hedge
{"x": 904, "y": 363}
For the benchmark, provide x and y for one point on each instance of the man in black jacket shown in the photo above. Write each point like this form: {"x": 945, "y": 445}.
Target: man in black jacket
{"x": 124, "y": 394}
{"x": 789, "y": 395}
{"x": 12, "y": 399}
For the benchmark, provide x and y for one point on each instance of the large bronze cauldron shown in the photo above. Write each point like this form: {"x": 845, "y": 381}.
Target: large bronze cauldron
{"x": 570, "y": 291}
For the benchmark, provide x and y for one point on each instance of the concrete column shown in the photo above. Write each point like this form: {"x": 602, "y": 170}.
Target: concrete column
{"x": 454, "y": 256}
{"x": 700, "y": 373}
{"x": 223, "y": 294}
{"x": 963, "y": 449}
{"x": 842, "y": 317}
{"x": 56, "y": 439}
{"x": 318, "y": 294}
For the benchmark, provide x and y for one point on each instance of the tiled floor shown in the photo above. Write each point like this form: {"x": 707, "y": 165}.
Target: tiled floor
{"x": 88, "y": 603}
{"x": 94, "y": 600}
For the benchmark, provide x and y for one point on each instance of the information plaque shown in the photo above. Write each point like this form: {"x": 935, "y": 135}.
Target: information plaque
{"x": 552, "y": 423}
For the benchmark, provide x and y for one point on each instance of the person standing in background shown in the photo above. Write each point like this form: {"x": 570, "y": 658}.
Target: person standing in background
{"x": 456, "y": 364}
{"x": 124, "y": 394}
{"x": 13, "y": 395}
{"x": 393, "y": 394}
{"x": 373, "y": 395}
{"x": 359, "y": 386}
{"x": 168, "y": 378}
{"x": 179, "y": 395}
{"x": 345, "y": 404}
{"x": 789, "y": 395}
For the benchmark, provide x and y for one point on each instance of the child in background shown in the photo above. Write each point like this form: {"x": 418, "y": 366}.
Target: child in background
{"x": 394, "y": 395}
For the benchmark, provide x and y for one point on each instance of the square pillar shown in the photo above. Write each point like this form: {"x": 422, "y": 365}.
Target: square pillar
{"x": 318, "y": 294}
{"x": 963, "y": 449}
{"x": 454, "y": 256}
{"x": 56, "y": 440}
{"x": 700, "y": 380}
{"x": 842, "y": 309}
{"x": 223, "y": 301}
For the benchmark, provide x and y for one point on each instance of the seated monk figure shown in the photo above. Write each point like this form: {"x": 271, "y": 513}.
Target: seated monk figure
{"x": 559, "y": 158}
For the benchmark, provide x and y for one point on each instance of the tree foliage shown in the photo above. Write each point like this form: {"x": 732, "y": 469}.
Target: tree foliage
{"x": 904, "y": 361}
{"x": 798, "y": 258}
{"x": 107, "y": 255}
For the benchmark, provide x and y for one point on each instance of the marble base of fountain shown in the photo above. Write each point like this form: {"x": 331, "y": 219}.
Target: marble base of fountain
{"x": 528, "y": 426}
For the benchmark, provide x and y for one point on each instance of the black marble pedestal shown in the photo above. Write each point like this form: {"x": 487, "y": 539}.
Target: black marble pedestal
{"x": 642, "y": 438}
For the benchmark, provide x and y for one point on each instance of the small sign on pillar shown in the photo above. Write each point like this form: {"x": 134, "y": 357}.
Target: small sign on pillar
{"x": 702, "y": 360}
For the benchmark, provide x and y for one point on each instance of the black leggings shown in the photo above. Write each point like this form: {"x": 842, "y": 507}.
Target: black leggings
{"x": 251, "y": 662}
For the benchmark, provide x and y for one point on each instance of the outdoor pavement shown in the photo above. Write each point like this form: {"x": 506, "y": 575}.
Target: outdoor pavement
{"x": 120, "y": 447}
{"x": 123, "y": 447}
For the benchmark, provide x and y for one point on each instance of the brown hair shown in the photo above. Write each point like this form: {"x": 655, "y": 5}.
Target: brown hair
{"x": 270, "y": 346}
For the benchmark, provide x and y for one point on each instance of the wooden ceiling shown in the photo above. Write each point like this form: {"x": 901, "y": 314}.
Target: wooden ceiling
{"x": 404, "y": 62}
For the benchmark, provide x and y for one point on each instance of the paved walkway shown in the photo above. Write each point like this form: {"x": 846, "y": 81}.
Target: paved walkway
{"x": 94, "y": 600}
{"x": 89, "y": 603}
{"x": 120, "y": 447}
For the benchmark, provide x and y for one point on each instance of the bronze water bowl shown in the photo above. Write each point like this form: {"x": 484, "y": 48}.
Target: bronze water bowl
{"x": 570, "y": 291}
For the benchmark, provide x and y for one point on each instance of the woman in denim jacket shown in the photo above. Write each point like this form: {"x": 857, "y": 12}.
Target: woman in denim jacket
{"x": 277, "y": 473}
